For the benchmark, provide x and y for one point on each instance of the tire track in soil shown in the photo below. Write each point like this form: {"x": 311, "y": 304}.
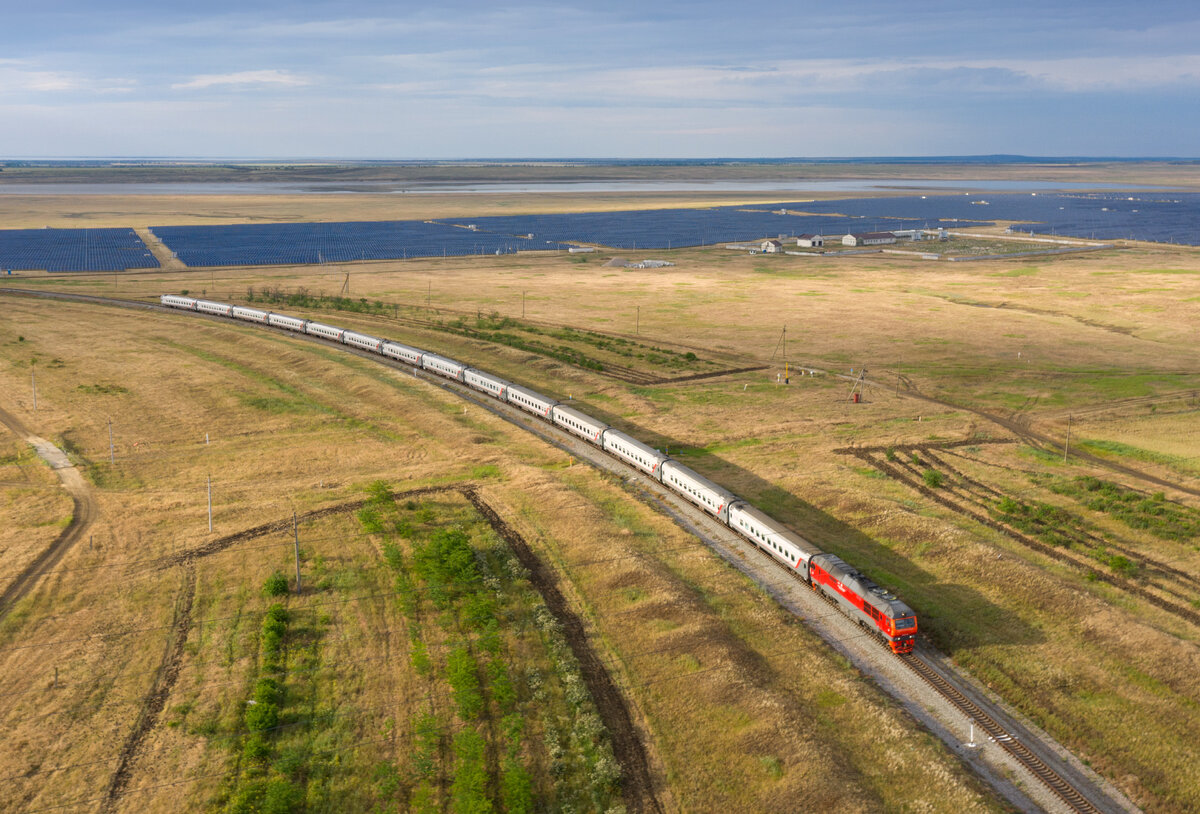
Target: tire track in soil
{"x": 1080, "y": 535}
{"x": 1040, "y": 440}
{"x": 83, "y": 514}
{"x": 899, "y": 473}
{"x": 164, "y": 681}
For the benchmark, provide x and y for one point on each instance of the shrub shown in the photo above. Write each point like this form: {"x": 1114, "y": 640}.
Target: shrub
{"x": 268, "y": 691}
{"x": 516, "y": 788}
{"x": 890, "y": 454}
{"x": 256, "y": 749}
{"x": 276, "y": 585}
{"x": 369, "y": 519}
{"x": 282, "y": 797}
{"x": 420, "y": 659}
{"x": 464, "y": 683}
{"x": 933, "y": 478}
{"x": 261, "y": 716}
{"x": 469, "y": 789}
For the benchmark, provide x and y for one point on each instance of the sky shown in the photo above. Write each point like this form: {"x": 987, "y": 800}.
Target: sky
{"x": 633, "y": 79}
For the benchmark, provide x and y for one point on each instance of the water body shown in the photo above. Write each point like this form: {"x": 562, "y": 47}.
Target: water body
{"x": 393, "y": 188}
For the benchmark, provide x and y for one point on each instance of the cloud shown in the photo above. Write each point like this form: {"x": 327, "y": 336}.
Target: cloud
{"x": 243, "y": 79}
{"x": 19, "y": 76}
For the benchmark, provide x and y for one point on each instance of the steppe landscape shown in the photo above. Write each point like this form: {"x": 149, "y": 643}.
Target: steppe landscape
{"x": 478, "y": 606}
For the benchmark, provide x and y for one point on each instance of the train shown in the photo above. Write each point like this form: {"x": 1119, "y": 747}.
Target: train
{"x": 871, "y": 605}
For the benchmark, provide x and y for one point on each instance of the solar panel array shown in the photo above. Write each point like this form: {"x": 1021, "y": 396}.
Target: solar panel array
{"x": 1141, "y": 215}
{"x": 73, "y": 250}
{"x": 676, "y": 228}
{"x": 255, "y": 244}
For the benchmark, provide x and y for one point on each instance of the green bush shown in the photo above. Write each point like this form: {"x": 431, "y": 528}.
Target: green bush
{"x": 256, "y": 749}
{"x": 282, "y": 797}
{"x": 369, "y": 519}
{"x": 933, "y": 478}
{"x": 464, "y": 683}
{"x": 261, "y": 717}
{"x": 516, "y": 787}
{"x": 268, "y": 691}
{"x": 469, "y": 788}
{"x": 276, "y": 585}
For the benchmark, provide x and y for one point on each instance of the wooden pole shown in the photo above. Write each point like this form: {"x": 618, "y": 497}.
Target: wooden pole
{"x": 112, "y": 459}
{"x": 210, "y": 503}
{"x": 296, "y": 542}
{"x": 1067, "y": 446}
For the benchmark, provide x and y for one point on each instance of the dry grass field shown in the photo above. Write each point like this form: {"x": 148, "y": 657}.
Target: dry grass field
{"x": 295, "y": 427}
{"x": 1071, "y": 588}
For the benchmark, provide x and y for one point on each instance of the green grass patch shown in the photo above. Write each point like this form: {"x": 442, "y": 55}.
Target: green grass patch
{"x": 1116, "y": 449}
{"x": 1152, "y": 513}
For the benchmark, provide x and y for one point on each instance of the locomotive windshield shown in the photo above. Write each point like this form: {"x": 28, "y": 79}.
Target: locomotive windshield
{"x": 906, "y": 624}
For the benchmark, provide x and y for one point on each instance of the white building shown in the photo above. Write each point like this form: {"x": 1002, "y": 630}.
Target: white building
{"x": 772, "y": 246}
{"x": 811, "y": 241}
{"x": 869, "y": 239}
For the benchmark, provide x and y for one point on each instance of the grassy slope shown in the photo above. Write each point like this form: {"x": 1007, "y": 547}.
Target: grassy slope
{"x": 297, "y": 426}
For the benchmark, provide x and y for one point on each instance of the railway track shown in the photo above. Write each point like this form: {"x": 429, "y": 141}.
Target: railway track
{"x": 1005, "y": 739}
{"x": 930, "y": 675}
{"x": 997, "y": 732}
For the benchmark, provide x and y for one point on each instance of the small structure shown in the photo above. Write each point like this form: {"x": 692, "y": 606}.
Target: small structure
{"x": 621, "y": 263}
{"x": 811, "y": 241}
{"x": 581, "y": 249}
{"x": 869, "y": 239}
{"x": 772, "y": 247}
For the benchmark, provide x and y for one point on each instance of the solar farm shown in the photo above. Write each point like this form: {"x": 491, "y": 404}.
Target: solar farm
{"x": 263, "y": 244}
{"x": 73, "y": 250}
{"x": 301, "y": 243}
{"x": 296, "y": 243}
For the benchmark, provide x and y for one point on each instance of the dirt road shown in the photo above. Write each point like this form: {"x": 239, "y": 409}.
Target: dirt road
{"x": 84, "y": 514}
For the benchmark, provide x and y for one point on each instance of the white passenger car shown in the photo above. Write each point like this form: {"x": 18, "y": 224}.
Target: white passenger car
{"x": 772, "y": 536}
{"x": 634, "y": 453}
{"x": 581, "y": 424}
{"x": 284, "y": 321}
{"x": 698, "y": 489}
{"x": 250, "y": 314}
{"x": 214, "y": 308}
{"x": 325, "y": 331}
{"x": 443, "y": 366}
{"x": 364, "y": 341}
{"x": 402, "y": 352}
{"x": 530, "y": 400}
{"x": 494, "y": 386}
{"x": 176, "y": 301}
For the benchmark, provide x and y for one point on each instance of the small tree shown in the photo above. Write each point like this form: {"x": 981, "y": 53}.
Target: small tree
{"x": 933, "y": 478}
{"x": 276, "y": 585}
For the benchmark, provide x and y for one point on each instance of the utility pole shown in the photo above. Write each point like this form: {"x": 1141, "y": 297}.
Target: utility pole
{"x": 296, "y": 541}
{"x": 522, "y": 305}
{"x": 210, "y": 503}
{"x": 781, "y": 343}
{"x": 112, "y": 460}
{"x": 637, "y": 321}
{"x": 1067, "y": 446}
{"x": 428, "y": 295}
{"x": 33, "y": 378}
